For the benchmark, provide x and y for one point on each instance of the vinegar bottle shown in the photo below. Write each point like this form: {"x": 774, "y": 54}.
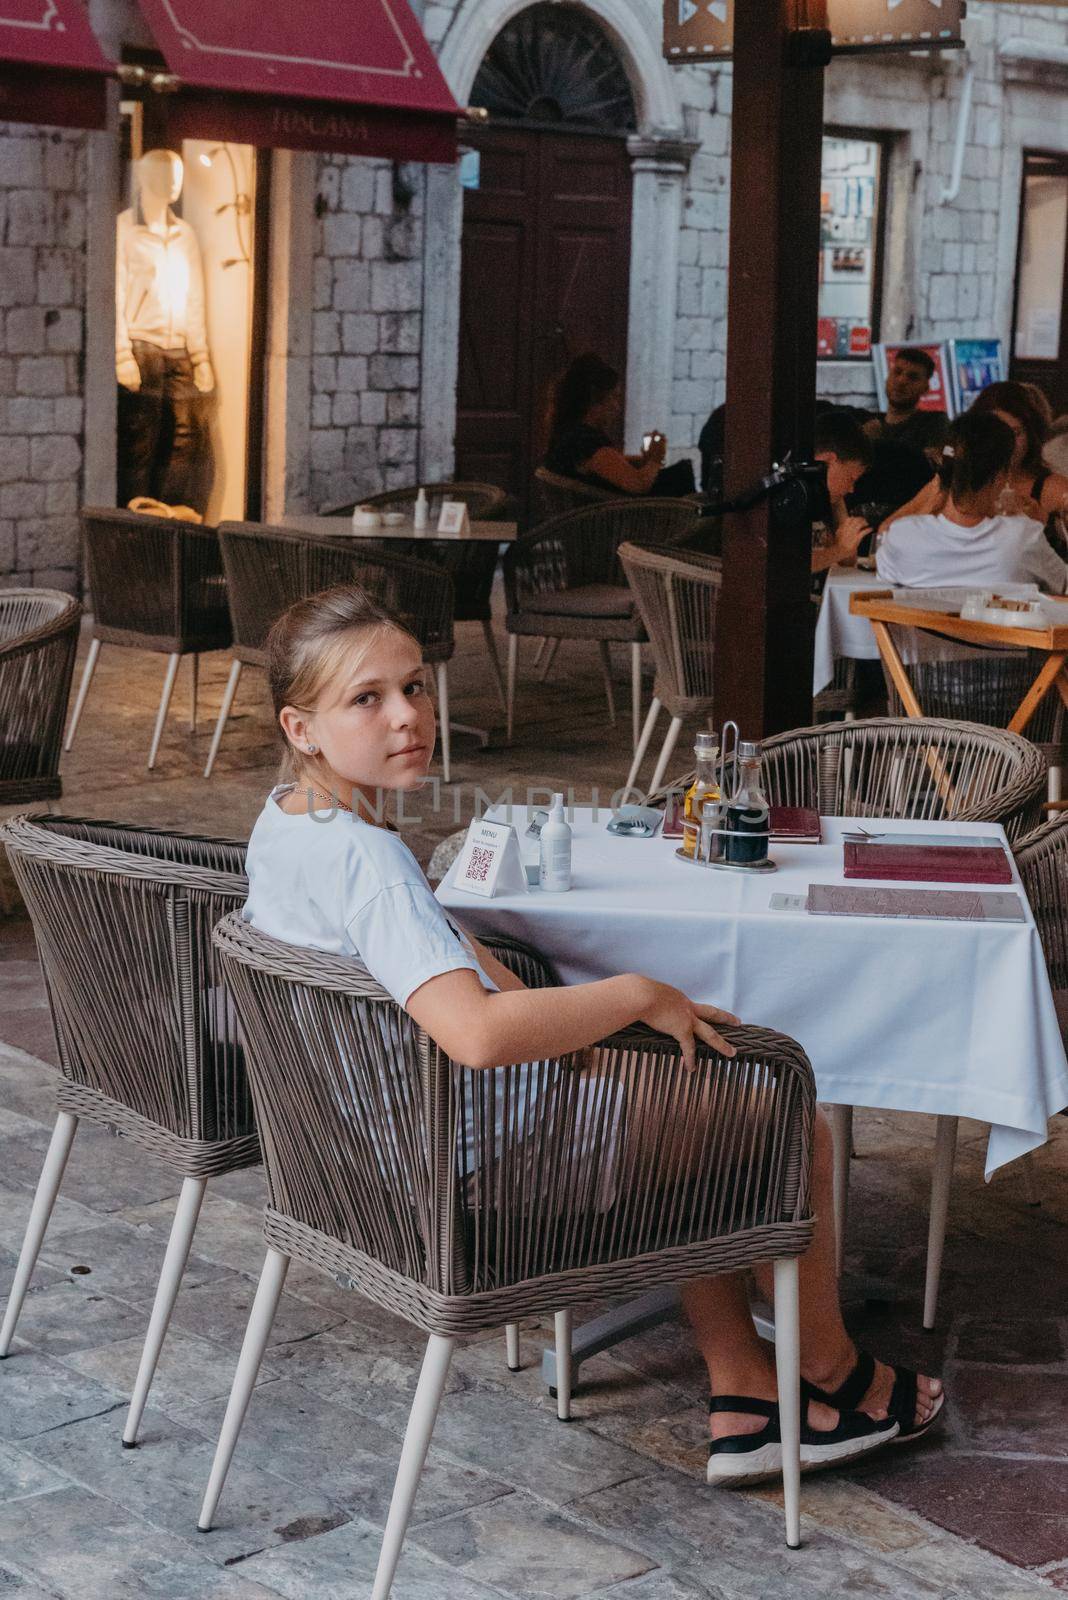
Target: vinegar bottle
{"x": 748, "y": 812}
{"x": 705, "y": 786}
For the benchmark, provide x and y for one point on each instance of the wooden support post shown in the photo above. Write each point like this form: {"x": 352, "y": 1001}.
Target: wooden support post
{"x": 764, "y": 626}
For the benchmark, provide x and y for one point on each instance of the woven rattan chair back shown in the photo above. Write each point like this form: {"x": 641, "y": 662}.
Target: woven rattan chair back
{"x": 156, "y": 583}
{"x": 38, "y": 642}
{"x": 986, "y": 689}
{"x": 678, "y": 597}
{"x": 925, "y": 768}
{"x": 484, "y": 501}
{"x": 459, "y": 1199}
{"x": 269, "y": 568}
{"x": 1042, "y": 860}
{"x": 581, "y": 547}
{"x": 557, "y": 494}
{"x": 146, "y": 1041}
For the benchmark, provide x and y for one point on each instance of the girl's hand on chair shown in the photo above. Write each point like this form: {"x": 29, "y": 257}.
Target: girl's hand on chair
{"x": 669, "y": 1011}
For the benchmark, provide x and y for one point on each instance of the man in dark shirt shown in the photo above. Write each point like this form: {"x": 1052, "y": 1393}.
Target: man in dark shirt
{"x": 907, "y": 381}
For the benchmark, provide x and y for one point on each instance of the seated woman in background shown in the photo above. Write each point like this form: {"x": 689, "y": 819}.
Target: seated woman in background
{"x": 969, "y": 542}
{"x": 585, "y": 408}
{"x": 1032, "y": 489}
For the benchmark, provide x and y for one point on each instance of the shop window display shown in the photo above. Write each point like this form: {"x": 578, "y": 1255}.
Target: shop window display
{"x": 183, "y": 325}
{"x": 850, "y": 244}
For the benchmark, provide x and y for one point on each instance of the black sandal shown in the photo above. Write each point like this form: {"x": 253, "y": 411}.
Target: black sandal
{"x": 743, "y": 1458}
{"x": 902, "y": 1407}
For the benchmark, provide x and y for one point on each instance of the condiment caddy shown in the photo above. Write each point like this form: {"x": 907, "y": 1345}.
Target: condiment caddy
{"x": 727, "y": 822}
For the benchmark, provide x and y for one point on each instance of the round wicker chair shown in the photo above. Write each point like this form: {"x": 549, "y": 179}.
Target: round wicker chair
{"x": 1042, "y": 860}
{"x": 38, "y": 643}
{"x": 147, "y": 1044}
{"x": 459, "y": 1199}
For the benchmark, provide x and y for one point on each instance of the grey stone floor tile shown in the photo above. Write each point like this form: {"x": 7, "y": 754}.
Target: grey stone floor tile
{"x": 26, "y": 1085}
{"x": 229, "y": 1233}
{"x": 190, "y": 1369}
{"x": 361, "y": 1369}
{"x": 67, "y": 1217}
{"x": 103, "y": 1173}
{"x": 71, "y": 1315}
{"x": 81, "y": 1546}
{"x": 324, "y": 1445}
{"x": 123, "y": 1261}
{"x": 22, "y": 1476}
{"x": 219, "y": 1311}
{"x": 39, "y": 1394}
{"x": 44, "y": 1276}
{"x": 340, "y": 1566}
{"x": 162, "y": 1482}
{"x": 529, "y": 1551}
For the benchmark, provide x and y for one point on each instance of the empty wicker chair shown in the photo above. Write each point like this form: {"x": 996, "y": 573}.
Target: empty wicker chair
{"x": 484, "y": 501}
{"x": 1042, "y": 860}
{"x": 564, "y": 581}
{"x": 147, "y": 1046}
{"x": 38, "y": 643}
{"x": 558, "y": 495}
{"x": 678, "y": 597}
{"x": 460, "y": 1199}
{"x": 268, "y": 569}
{"x": 987, "y": 689}
{"x": 157, "y": 584}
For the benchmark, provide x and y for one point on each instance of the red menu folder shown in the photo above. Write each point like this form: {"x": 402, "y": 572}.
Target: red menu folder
{"x": 918, "y": 863}
{"x": 789, "y": 824}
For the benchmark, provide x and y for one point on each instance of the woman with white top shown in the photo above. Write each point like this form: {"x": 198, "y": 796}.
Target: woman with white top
{"x": 327, "y": 871}
{"x": 968, "y": 543}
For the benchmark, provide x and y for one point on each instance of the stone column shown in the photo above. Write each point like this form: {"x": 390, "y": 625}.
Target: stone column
{"x": 659, "y": 165}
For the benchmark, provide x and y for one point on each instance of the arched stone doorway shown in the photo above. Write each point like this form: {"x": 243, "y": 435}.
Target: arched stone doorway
{"x": 545, "y": 257}
{"x": 659, "y": 157}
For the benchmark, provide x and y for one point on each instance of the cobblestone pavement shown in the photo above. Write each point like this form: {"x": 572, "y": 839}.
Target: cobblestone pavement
{"x": 513, "y": 1504}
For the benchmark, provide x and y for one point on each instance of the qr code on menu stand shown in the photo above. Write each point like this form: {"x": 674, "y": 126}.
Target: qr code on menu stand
{"x": 479, "y": 864}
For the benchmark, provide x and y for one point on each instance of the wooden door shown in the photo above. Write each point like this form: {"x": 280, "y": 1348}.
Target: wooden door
{"x": 545, "y": 277}
{"x": 1040, "y": 322}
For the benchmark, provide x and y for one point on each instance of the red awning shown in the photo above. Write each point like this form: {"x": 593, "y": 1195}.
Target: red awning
{"x": 51, "y": 68}
{"x": 358, "y": 78}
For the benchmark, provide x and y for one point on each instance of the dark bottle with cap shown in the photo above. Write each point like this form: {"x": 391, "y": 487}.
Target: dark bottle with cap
{"x": 748, "y": 812}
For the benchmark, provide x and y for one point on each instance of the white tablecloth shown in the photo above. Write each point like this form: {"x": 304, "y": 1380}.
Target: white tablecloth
{"x": 840, "y": 633}
{"x": 955, "y": 1018}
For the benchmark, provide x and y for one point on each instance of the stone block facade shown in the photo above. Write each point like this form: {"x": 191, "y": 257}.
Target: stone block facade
{"x": 42, "y": 318}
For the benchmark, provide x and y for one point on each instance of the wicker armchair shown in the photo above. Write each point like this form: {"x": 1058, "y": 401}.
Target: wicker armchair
{"x": 988, "y": 690}
{"x": 1042, "y": 860}
{"x": 460, "y": 1199}
{"x": 157, "y": 584}
{"x": 147, "y": 1044}
{"x": 678, "y": 597}
{"x": 38, "y": 643}
{"x": 564, "y": 581}
{"x": 558, "y": 495}
{"x": 268, "y": 569}
{"x": 484, "y": 501}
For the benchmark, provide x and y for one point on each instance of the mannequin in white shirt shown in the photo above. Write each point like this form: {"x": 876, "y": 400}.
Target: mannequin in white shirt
{"x": 969, "y": 543}
{"x": 161, "y": 345}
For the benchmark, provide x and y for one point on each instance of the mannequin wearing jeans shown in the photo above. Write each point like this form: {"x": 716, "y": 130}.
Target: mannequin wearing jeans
{"x": 161, "y": 348}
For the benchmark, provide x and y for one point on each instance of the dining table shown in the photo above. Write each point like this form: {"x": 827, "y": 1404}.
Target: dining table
{"x": 948, "y": 1018}
{"x": 490, "y": 532}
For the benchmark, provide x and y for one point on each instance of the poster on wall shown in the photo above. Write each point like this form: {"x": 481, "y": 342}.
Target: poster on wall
{"x": 849, "y": 217}
{"x": 974, "y": 365}
{"x": 939, "y": 396}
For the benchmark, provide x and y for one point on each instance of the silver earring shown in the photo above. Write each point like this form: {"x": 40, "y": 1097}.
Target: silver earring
{"x": 313, "y": 749}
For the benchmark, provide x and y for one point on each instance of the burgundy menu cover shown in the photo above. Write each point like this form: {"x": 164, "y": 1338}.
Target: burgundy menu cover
{"x": 918, "y": 863}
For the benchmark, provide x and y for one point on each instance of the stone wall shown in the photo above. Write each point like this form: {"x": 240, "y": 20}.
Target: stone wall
{"x": 42, "y": 299}
{"x": 367, "y": 331}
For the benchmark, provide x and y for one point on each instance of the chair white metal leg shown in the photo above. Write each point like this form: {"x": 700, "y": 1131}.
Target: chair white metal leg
{"x": 224, "y": 712}
{"x": 173, "y": 662}
{"x": 550, "y": 657}
{"x": 563, "y": 1365}
{"x": 193, "y": 698}
{"x": 941, "y": 1178}
{"x": 83, "y": 690}
{"x": 260, "y": 1322}
{"x": 666, "y": 749}
{"x": 424, "y": 1414}
{"x": 170, "y": 1280}
{"x": 443, "y": 720}
{"x": 513, "y": 662}
{"x": 44, "y": 1201}
{"x": 643, "y": 743}
{"x": 511, "y": 1346}
{"x": 635, "y": 693}
{"x": 606, "y": 672}
{"x": 788, "y": 1378}
{"x": 495, "y": 663}
{"x": 1054, "y": 781}
{"x": 841, "y": 1120}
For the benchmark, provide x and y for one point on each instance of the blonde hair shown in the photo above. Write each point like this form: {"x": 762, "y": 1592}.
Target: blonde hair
{"x": 310, "y": 644}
